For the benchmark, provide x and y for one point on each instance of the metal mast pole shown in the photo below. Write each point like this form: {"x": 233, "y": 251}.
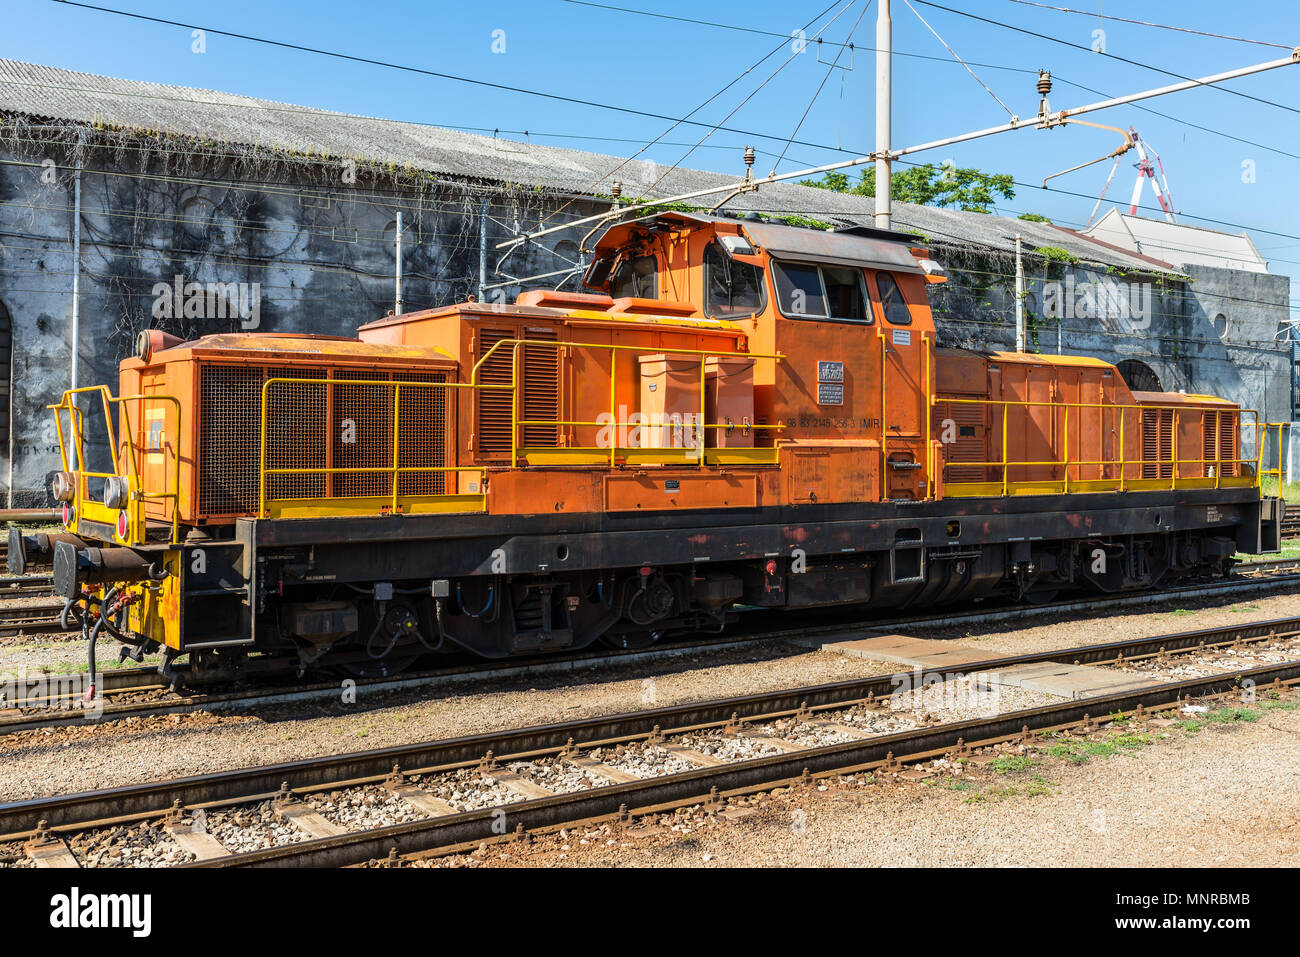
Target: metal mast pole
{"x": 884, "y": 83}
{"x": 398, "y": 255}
{"x": 1020, "y": 298}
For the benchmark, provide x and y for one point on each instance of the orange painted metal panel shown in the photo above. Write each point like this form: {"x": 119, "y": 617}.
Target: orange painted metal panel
{"x": 665, "y": 490}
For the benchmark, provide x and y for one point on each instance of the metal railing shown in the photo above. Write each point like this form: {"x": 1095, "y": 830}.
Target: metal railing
{"x": 393, "y": 500}
{"x": 1251, "y": 468}
{"x": 394, "y": 470}
{"x": 122, "y": 445}
{"x": 590, "y": 454}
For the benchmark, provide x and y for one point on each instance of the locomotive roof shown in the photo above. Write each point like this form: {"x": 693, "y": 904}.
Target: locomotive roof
{"x": 859, "y": 246}
{"x": 580, "y": 310}
{"x": 268, "y": 345}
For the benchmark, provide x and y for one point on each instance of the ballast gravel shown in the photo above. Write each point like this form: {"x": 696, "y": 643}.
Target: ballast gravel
{"x": 1227, "y": 795}
{"x": 84, "y": 756}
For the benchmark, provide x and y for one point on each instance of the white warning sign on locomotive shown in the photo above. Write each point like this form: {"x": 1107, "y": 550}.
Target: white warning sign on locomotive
{"x": 830, "y": 371}
{"x": 830, "y": 393}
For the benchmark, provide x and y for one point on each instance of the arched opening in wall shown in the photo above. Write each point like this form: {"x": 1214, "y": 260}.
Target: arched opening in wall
{"x": 1139, "y": 376}
{"x": 567, "y": 256}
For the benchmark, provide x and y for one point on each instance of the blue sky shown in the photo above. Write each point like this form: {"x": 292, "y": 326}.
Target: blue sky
{"x": 669, "y": 67}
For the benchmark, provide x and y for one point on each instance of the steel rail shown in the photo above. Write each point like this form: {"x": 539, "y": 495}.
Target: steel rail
{"x": 52, "y": 707}
{"x": 632, "y": 798}
{"x": 73, "y": 812}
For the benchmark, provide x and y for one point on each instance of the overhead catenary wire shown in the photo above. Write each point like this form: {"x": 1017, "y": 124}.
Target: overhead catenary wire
{"x": 747, "y": 98}
{"x": 945, "y": 60}
{"x": 719, "y": 93}
{"x": 1010, "y": 112}
{"x": 1112, "y": 56}
{"x": 1147, "y": 23}
{"x": 829, "y": 70}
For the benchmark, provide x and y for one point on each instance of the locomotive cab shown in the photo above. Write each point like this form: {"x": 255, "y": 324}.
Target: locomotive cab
{"x": 847, "y": 317}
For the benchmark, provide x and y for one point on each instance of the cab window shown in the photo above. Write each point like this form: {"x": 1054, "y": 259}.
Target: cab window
{"x": 805, "y": 291}
{"x": 731, "y": 288}
{"x": 635, "y": 277}
{"x": 845, "y": 293}
{"x": 891, "y": 300}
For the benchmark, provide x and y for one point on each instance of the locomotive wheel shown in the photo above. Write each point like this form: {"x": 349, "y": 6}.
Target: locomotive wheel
{"x": 1044, "y": 597}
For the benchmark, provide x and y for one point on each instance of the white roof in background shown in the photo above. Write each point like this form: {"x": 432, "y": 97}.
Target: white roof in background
{"x": 68, "y": 96}
{"x": 1178, "y": 242}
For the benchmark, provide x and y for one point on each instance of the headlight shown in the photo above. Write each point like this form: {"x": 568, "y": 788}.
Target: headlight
{"x": 117, "y": 491}
{"x": 63, "y": 486}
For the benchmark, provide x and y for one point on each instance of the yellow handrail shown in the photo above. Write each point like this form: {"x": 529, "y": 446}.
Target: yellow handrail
{"x": 394, "y": 470}
{"x": 1218, "y": 461}
{"x": 76, "y": 418}
{"x": 517, "y": 345}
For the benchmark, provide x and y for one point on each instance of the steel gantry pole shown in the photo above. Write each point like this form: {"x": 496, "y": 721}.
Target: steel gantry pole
{"x": 884, "y": 92}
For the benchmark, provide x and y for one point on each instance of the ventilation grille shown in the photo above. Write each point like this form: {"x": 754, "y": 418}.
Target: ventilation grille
{"x": 541, "y": 400}
{"x": 313, "y": 426}
{"x": 492, "y": 430}
{"x": 1220, "y": 445}
{"x": 1157, "y": 443}
{"x": 540, "y": 393}
{"x": 964, "y": 418}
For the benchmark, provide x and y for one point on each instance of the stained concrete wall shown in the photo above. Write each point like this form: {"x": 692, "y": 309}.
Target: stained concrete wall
{"x": 322, "y": 258}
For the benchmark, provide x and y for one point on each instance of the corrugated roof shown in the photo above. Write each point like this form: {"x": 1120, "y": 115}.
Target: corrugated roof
{"x": 66, "y": 95}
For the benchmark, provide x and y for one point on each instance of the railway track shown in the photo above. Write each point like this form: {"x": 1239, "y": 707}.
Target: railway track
{"x": 35, "y": 618}
{"x": 56, "y": 699}
{"x": 22, "y": 586}
{"x": 794, "y": 735}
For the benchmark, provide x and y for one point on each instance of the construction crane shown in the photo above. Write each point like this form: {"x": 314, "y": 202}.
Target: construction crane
{"x": 1159, "y": 184}
{"x": 1146, "y": 170}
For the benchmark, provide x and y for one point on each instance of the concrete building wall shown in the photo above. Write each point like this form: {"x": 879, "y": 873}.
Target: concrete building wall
{"x": 307, "y": 256}
{"x": 1213, "y": 334}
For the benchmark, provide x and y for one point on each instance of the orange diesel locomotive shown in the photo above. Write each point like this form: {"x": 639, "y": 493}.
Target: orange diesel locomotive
{"x": 737, "y": 414}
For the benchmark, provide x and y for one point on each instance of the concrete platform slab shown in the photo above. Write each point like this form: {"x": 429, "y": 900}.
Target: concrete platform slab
{"x": 1065, "y": 680}
{"x": 901, "y": 650}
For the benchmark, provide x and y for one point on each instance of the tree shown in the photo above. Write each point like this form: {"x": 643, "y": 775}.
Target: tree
{"x": 1033, "y": 218}
{"x": 966, "y": 188}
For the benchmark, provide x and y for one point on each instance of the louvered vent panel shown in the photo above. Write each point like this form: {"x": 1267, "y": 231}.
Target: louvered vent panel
{"x": 541, "y": 398}
{"x": 965, "y": 448}
{"x": 1229, "y": 432}
{"x": 492, "y": 430}
{"x": 1157, "y": 438}
{"x": 1220, "y": 431}
{"x": 1209, "y": 444}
